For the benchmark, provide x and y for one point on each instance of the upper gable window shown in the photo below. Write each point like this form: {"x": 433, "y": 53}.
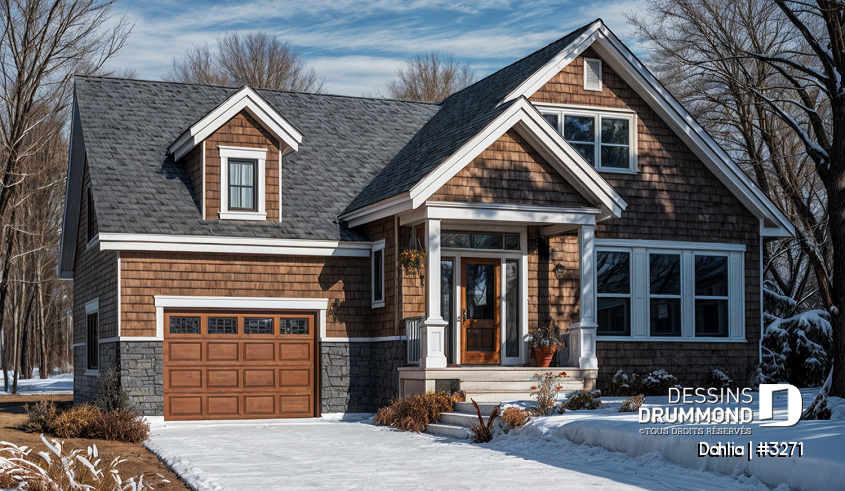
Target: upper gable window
{"x": 242, "y": 183}
{"x": 606, "y": 139}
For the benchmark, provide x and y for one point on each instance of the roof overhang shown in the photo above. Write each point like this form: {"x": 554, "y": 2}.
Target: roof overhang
{"x": 73, "y": 197}
{"x": 246, "y": 99}
{"x": 530, "y": 124}
{"x": 646, "y": 85}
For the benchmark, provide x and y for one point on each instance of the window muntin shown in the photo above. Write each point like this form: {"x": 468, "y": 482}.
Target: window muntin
{"x": 613, "y": 293}
{"x": 243, "y": 177}
{"x": 222, "y": 325}
{"x": 184, "y": 325}
{"x": 480, "y": 240}
{"x": 711, "y": 295}
{"x": 92, "y": 345}
{"x": 604, "y": 140}
{"x": 664, "y": 294}
{"x": 377, "y": 271}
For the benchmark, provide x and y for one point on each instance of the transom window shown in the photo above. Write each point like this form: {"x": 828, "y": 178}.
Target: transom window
{"x": 242, "y": 185}
{"x": 654, "y": 292}
{"x": 605, "y": 140}
{"x": 483, "y": 240}
{"x": 231, "y": 324}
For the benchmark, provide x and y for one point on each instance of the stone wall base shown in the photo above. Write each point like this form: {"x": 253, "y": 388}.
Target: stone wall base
{"x": 360, "y": 377}
{"x": 142, "y": 375}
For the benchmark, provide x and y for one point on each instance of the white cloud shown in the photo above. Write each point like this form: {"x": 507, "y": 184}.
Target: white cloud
{"x": 356, "y": 75}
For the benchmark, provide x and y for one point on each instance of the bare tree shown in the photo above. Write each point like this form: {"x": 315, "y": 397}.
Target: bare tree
{"x": 258, "y": 59}
{"x": 772, "y": 74}
{"x": 430, "y": 77}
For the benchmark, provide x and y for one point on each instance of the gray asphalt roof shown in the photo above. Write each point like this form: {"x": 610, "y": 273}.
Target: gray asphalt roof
{"x": 128, "y": 124}
{"x": 463, "y": 115}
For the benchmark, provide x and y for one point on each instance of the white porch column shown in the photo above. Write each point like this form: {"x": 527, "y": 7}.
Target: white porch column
{"x": 582, "y": 338}
{"x": 433, "y": 327}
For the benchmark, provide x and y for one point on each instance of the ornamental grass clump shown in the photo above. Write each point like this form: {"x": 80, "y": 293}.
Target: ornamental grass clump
{"x": 483, "y": 431}
{"x": 414, "y": 413}
{"x": 546, "y": 390}
{"x": 514, "y": 417}
{"x": 76, "y": 471}
{"x": 74, "y": 422}
{"x": 632, "y": 405}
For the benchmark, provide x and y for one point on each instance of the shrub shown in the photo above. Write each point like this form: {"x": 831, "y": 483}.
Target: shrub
{"x": 74, "y": 422}
{"x": 546, "y": 390}
{"x": 658, "y": 383}
{"x": 719, "y": 378}
{"x": 514, "y": 417}
{"x": 41, "y": 417}
{"x": 416, "y": 412}
{"x": 584, "y": 399}
{"x": 632, "y": 405}
{"x": 112, "y": 396}
{"x": 76, "y": 471}
{"x": 123, "y": 426}
{"x": 625, "y": 384}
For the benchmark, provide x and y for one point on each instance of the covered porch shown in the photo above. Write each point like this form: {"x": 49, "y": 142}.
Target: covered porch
{"x": 494, "y": 272}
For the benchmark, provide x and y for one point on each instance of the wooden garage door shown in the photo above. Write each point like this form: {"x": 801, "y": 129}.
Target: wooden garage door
{"x": 234, "y": 365}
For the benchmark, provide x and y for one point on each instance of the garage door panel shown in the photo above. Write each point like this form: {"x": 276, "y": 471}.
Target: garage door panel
{"x": 220, "y": 378}
{"x": 259, "y": 378}
{"x": 184, "y": 379}
{"x": 222, "y": 351}
{"x": 185, "y": 351}
{"x": 260, "y": 351}
{"x": 241, "y": 368}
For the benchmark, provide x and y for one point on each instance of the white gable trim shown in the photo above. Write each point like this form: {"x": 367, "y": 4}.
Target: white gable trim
{"x": 247, "y": 100}
{"x": 636, "y": 75}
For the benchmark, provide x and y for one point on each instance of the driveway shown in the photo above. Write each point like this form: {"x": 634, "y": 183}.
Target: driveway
{"x": 342, "y": 455}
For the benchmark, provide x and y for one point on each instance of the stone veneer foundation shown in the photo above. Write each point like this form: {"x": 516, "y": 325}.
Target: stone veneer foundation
{"x": 359, "y": 377}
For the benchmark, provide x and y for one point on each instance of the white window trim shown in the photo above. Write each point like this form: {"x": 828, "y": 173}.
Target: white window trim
{"x": 561, "y": 110}
{"x": 640, "y": 288}
{"x": 601, "y": 77}
{"x": 377, "y": 246}
{"x": 92, "y": 307}
{"x": 257, "y": 154}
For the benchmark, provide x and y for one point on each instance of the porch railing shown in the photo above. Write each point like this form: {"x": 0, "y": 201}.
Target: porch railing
{"x": 412, "y": 331}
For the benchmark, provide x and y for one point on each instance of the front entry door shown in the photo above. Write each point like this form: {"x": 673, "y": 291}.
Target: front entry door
{"x": 480, "y": 319}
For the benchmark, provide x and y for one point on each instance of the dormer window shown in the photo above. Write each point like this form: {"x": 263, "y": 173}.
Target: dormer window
{"x": 242, "y": 183}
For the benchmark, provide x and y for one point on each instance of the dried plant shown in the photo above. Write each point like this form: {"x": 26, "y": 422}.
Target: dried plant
{"x": 122, "y": 426}
{"x": 482, "y": 430}
{"x": 584, "y": 399}
{"x": 546, "y": 390}
{"x": 41, "y": 416}
{"x": 76, "y": 471}
{"x": 74, "y": 422}
{"x": 514, "y": 417}
{"x": 632, "y": 405}
{"x": 112, "y": 395}
{"x": 416, "y": 412}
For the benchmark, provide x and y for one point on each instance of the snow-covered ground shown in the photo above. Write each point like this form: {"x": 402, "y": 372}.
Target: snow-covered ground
{"x": 319, "y": 454}
{"x": 822, "y": 467}
{"x": 56, "y": 384}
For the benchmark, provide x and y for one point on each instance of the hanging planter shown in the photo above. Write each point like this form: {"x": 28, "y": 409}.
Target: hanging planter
{"x": 412, "y": 261}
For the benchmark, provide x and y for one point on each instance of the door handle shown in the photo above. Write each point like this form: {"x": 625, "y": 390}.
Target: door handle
{"x": 464, "y": 316}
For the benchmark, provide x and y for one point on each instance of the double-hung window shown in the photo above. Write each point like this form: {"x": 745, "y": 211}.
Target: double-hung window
{"x": 242, "y": 183}
{"x": 669, "y": 290}
{"x": 605, "y": 139}
{"x": 377, "y": 270}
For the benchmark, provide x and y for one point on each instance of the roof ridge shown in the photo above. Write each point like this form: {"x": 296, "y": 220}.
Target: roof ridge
{"x": 234, "y": 87}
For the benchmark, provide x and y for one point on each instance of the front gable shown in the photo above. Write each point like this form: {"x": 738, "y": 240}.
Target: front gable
{"x": 511, "y": 171}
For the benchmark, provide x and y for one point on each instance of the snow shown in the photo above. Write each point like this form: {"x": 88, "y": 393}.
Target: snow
{"x": 55, "y": 384}
{"x": 320, "y": 454}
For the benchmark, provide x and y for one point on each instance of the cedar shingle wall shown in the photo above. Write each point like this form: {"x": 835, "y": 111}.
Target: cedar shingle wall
{"x": 672, "y": 197}
{"x": 412, "y": 300}
{"x": 510, "y": 171}
{"x": 385, "y": 320}
{"x": 241, "y": 131}
{"x": 551, "y": 300}
{"x": 193, "y": 160}
{"x": 344, "y": 281}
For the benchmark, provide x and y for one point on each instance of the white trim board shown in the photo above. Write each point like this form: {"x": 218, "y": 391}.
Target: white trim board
{"x": 614, "y": 53}
{"x": 364, "y": 340}
{"x": 232, "y": 245}
{"x": 494, "y": 212}
{"x": 671, "y": 244}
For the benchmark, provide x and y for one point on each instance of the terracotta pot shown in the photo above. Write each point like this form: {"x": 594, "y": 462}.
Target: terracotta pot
{"x": 544, "y": 355}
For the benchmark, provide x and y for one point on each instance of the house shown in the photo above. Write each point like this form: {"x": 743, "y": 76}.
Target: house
{"x": 235, "y": 252}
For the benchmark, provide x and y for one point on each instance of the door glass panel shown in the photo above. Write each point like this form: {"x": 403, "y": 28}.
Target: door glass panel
{"x": 293, "y": 326}
{"x": 222, "y": 325}
{"x": 486, "y": 241}
{"x": 512, "y": 309}
{"x": 258, "y": 325}
{"x": 480, "y": 291}
{"x": 447, "y": 302}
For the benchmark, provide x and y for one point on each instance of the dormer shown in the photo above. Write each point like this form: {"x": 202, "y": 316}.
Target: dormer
{"x": 234, "y": 157}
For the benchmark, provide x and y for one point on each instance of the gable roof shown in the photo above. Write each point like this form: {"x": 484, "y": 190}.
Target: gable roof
{"x": 127, "y": 126}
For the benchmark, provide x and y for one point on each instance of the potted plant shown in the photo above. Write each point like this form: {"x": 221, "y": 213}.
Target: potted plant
{"x": 412, "y": 261}
{"x": 545, "y": 341}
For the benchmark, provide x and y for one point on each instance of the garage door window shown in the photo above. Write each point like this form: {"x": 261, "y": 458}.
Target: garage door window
{"x": 222, "y": 325}
{"x": 258, "y": 325}
{"x": 294, "y": 326}
{"x": 184, "y": 325}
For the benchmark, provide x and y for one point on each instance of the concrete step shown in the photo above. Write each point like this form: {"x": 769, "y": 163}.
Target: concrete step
{"x": 452, "y": 431}
{"x": 467, "y": 373}
{"x": 461, "y": 419}
{"x": 497, "y": 396}
{"x": 523, "y": 385}
{"x": 468, "y": 408}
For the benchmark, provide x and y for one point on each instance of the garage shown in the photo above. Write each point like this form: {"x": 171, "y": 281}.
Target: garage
{"x": 239, "y": 365}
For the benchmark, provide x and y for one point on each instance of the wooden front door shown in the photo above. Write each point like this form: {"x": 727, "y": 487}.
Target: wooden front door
{"x": 480, "y": 319}
{"x": 233, "y": 365}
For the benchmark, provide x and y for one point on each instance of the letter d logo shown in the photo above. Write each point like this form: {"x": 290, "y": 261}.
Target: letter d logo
{"x": 794, "y": 403}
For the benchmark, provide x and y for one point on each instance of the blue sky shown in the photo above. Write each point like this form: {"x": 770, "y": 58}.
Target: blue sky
{"x": 357, "y": 45}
